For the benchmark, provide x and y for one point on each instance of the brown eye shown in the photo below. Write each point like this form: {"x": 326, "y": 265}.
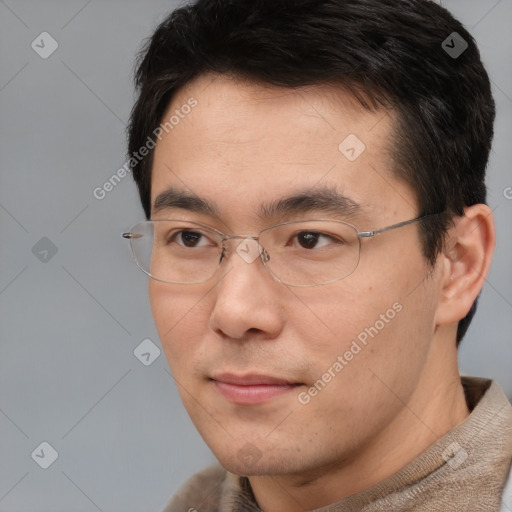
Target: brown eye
{"x": 308, "y": 239}
{"x": 315, "y": 240}
{"x": 189, "y": 238}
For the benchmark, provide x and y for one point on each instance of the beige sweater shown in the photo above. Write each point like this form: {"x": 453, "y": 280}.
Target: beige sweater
{"x": 465, "y": 470}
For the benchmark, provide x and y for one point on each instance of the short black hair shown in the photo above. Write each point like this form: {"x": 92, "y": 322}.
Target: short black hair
{"x": 400, "y": 55}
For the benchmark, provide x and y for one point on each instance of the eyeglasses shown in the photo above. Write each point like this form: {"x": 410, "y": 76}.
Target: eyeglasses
{"x": 301, "y": 253}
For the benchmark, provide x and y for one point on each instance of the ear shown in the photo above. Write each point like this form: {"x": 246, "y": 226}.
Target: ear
{"x": 465, "y": 260}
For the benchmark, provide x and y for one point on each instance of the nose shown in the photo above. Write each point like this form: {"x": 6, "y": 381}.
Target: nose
{"x": 247, "y": 298}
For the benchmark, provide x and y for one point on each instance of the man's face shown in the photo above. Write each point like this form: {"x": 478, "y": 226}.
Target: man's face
{"x": 255, "y": 359}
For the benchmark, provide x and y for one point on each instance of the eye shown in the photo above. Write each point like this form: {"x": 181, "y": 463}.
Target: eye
{"x": 314, "y": 239}
{"x": 189, "y": 239}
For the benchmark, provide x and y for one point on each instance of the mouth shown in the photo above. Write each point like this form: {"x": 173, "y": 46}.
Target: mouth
{"x": 251, "y": 388}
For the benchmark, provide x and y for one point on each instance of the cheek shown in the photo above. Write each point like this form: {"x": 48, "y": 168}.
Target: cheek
{"x": 181, "y": 317}
{"x": 376, "y": 322}
{"x": 377, "y": 356}
{"x": 329, "y": 318}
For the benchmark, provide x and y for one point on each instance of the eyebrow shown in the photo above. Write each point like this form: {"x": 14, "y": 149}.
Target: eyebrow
{"x": 324, "y": 199}
{"x": 174, "y": 198}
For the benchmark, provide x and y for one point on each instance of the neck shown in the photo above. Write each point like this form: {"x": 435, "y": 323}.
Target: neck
{"x": 436, "y": 407}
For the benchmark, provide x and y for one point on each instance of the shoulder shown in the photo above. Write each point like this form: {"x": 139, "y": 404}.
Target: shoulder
{"x": 200, "y": 493}
{"x": 506, "y": 503}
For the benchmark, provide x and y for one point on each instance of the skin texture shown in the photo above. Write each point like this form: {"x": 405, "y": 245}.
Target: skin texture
{"x": 244, "y": 145}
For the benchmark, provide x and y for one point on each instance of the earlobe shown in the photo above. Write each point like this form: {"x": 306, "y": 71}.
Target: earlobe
{"x": 466, "y": 258}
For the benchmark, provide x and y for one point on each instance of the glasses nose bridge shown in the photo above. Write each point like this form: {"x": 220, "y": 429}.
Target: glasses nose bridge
{"x": 225, "y": 238}
{"x": 262, "y": 252}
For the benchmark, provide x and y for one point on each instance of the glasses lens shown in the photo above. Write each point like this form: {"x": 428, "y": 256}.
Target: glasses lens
{"x": 311, "y": 253}
{"x": 176, "y": 251}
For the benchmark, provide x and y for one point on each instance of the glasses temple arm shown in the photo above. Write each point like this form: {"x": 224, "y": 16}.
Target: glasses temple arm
{"x": 368, "y": 234}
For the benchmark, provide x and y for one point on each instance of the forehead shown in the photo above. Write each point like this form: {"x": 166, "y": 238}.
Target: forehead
{"x": 232, "y": 110}
{"x": 255, "y": 142}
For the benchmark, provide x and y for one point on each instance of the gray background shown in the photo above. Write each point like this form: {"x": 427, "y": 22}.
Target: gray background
{"x": 70, "y": 321}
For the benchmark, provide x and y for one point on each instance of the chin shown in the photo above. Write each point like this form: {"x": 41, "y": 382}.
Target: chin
{"x": 245, "y": 470}
{"x": 254, "y": 460}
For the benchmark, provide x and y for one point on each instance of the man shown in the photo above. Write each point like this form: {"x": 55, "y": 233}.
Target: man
{"x": 312, "y": 173}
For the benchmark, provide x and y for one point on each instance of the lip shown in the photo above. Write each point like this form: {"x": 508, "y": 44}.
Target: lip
{"x": 251, "y": 388}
